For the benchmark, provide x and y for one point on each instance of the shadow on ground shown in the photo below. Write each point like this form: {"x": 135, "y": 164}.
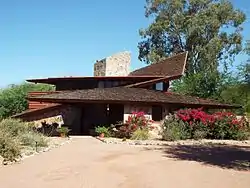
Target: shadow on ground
{"x": 224, "y": 156}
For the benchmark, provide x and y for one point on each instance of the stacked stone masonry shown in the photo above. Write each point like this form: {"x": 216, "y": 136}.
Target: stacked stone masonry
{"x": 115, "y": 65}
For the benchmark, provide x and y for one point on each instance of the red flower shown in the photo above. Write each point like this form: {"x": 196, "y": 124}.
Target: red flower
{"x": 151, "y": 127}
{"x": 235, "y": 122}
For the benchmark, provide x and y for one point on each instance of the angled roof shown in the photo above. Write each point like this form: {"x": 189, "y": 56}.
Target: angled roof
{"x": 127, "y": 95}
{"x": 171, "y": 66}
{"x": 29, "y": 112}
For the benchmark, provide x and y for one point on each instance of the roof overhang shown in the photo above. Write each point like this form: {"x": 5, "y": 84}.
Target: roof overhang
{"x": 129, "y": 95}
{"x": 171, "y": 68}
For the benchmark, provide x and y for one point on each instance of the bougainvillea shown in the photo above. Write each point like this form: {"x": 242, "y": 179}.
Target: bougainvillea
{"x": 137, "y": 120}
{"x": 219, "y": 125}
{"x": 191, "y": 116}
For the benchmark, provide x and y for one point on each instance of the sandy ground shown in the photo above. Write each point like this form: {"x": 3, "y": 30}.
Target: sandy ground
{"x": 86, "y": 162}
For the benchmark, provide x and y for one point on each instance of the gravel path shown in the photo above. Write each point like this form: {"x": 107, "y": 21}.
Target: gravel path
{"x": 86, "y": 162}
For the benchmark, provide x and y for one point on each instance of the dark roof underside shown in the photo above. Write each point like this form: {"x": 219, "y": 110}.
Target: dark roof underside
{"x": 127, "y": 95}
{"x": 56, "y": 80}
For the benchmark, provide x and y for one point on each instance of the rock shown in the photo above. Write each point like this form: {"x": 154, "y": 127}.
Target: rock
{"x": 1, "y": 160}
{"x": 5, "y": 162}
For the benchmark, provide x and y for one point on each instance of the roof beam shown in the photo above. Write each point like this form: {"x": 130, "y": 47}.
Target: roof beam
{"x": 153, "y": 81}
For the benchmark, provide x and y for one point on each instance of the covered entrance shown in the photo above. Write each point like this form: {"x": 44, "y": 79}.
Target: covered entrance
{"x": 93, "y": 115}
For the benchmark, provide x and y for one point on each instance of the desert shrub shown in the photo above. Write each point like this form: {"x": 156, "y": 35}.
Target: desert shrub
{"x": 14, "y": 126}
{"x": 173, "y": 129}
{"x": 199, "y": 124}
{"x": 9, "y": 148}
{"x": 15, "y": 134}
{"x": 140, "y": 134}
{"x": 33, "y": 139}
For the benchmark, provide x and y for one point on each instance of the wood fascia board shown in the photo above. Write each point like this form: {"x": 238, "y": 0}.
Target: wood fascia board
{"x": 149, "y": 82}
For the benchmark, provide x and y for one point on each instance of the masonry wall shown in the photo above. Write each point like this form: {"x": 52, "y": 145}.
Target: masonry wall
{"x": 118, "y": 64}
{"x": 65, "y": 114}
{"x": 115, "y": 65}
{"x": 100, "y": 68}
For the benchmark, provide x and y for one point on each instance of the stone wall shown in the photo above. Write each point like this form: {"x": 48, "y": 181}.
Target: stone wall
{"x": 65, "y": 114}
{"x": 55, "y": 114}
{"x": 100, "y": 68}
{"x": 50, "y": 120}
{"x": 118, "y": 64}
{"x": 115, "y": 65}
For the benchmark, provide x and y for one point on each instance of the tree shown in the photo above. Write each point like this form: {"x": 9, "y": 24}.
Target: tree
{"x": 13, "y": 98}
{"x": 210, "y": 30}
{"x": 246, "y": 67}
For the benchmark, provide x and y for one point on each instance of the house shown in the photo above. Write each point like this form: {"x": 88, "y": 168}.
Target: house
{"x": 112, "y": 94}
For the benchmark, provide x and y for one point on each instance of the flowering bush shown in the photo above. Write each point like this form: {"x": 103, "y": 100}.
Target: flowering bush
{"x": 136, "y": 121}
{"x": 220, "y": 125}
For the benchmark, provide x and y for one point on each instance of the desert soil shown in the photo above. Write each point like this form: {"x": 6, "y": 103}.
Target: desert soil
{"x": 85, "y": 162}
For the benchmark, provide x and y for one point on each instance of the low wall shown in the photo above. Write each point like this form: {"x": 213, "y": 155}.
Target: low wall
{"x": 64, "y": 114}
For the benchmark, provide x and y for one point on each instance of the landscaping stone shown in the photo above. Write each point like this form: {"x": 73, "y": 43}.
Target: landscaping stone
{"x": 170, "y": 143}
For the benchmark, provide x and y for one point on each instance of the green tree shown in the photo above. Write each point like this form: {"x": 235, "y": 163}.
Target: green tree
{"x": 210, "y": 30}
{"x": 13, "y": 98}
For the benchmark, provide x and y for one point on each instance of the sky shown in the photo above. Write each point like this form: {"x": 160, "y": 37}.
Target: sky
{"x": 54, "y": 38}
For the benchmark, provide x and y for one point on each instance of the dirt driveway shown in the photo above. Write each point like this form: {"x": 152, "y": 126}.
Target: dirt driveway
{"x": 87, "y": 163}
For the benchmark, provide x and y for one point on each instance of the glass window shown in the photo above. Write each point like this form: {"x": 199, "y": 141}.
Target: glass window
{"x": 159, "y": 86}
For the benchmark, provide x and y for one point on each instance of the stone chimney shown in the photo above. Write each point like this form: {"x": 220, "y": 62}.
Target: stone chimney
{"x": 115, "y": 65}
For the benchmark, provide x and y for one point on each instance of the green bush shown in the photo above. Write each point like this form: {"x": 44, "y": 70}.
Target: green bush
{"x": 140, "y": 134}
{"x": 199, "y": 134}
{"x": 103, "y": 129}
{"x": 173, "y": 130}
{"x": 64, "y": 131}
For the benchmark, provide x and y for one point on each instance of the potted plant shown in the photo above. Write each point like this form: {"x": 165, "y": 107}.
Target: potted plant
{"x": 102, "y": 131}
{"x": 63, "y": 131}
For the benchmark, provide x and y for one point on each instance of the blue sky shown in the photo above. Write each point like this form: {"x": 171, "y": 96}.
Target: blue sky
{"x": 49, "y": 38}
